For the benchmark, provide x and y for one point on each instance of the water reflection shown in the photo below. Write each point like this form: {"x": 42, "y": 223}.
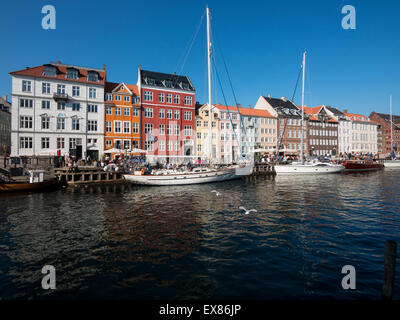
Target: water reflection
{"x": 123, "y": 241}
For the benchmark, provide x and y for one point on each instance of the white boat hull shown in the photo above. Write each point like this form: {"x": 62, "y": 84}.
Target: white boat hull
{"x": 392, "y": 163}
{"x": 307, "y": 169}
{"x": 182, "y": 179}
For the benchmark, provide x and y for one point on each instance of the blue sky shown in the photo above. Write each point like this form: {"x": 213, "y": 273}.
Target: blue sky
{"x": 262, "y": 42}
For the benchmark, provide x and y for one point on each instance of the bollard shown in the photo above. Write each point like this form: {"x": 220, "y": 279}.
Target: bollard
{"x": 389, "y": 270}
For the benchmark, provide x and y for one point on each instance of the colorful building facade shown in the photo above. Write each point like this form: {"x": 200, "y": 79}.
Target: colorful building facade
{"x": 122, "y": 117}
{"x": 168, "y": 116}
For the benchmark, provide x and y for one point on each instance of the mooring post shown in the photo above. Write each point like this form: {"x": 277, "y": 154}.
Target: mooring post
{"x": 389, "y": 270}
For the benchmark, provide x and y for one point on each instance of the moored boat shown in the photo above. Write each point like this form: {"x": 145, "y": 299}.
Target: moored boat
{"x": 36, "y": 183}
{"x": 309, "y": 168}
{"x": 392, "y": 163}
{"x": 362, "y": 165}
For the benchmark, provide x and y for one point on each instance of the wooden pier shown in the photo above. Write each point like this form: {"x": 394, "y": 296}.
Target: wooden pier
{"x": 88, "y": 175}
{"x": 262, "y": 170}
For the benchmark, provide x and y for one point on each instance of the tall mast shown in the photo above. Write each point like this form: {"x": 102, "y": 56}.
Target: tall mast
{"x": 391, "y": 125}
{"x": 209, "y": 85}
{"x": 302, "y": 110}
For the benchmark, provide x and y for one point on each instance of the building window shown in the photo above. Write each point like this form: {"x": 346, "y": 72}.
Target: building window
{"x": 108, "y": 111}
{"x": 45, "y": 104}
{"x": 75, "y": 91}
{"x": 60, "y": 123}
{"x": 60, "y": 143}
{"x": 72, "y": 143}
{"x": 148, "y": 96}
{"x": 199, "y": 147}
{"x": 127, "y": 127}
{"x": 45, "y": 88}
{"x": 135, "y": 112}
{"x": 176, "y": 145}
{"x": 169, "y": 145}
{"x": 92, "y": 93}
{"x": 61, "y": 106}
{"x": 188, "y": 100}
{"x": 75, "y": 124}
{"x": 188, "y": 130}
{"x": 26, "y": 103}
{"x": 61, "y": 88}
{"x": 176, "y": 98}
{"x": 161, "y": 113}
{"x": 76, "y": 106}
{"x": 148, "y": 145}
{"x": 161, "y": 145}
{"x": 148, "y": 128}
{"x": 198, "y": 123}
{"x": 25, "y": 142}
{"x": 92, "y": 108}
{"x": 26, "y": 86}
{"x": 148, "y": 112}
{"x": 45, "y": 122}
{"x": 92, "y": 125}
{"x": 108, "y": 126}
{"x": 169, "y": 98}
{"x": 72, "y": 74}
{"x": 117, "y": 126}
{"x": 135, "y": 127}
{"x": 117, "y": 97}
{"x": 176, "y": 130}
{"x": 108, "y": 143}
{"x": 161, "y": 129}
{"x": 108, "y": 98}
{"x": 161, "y": 97}
{"x": 117, "y": 111}
{"x": 169, "y": 114}
{"x": 188, "y": 115}
{"x": 168, "y": 83}
{"x": 93, "y": 76}
{"x": 126, "y": 99}
{"x": 26, "y": 122}
{"x": 126, "y": 112}
{"x": 46, "y": 143}
{"x": 176, "y": 114}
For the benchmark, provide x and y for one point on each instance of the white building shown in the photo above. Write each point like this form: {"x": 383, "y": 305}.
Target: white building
{"x": 357, "y": 134}
{"x": 58, "y": 107}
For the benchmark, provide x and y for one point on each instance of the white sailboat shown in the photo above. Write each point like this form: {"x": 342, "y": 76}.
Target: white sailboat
{"x": 394, "y": 163}
{"x": 197, "y": 175}
{"x": 314, "y": 167}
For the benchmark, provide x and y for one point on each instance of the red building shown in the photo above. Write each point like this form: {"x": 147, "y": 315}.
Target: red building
{"x": 168, "y": 116}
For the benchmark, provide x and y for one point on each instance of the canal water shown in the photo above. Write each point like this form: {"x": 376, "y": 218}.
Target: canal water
{"x": 184, "y": 242}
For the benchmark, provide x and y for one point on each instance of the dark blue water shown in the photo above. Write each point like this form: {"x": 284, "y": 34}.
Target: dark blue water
{"x": 116, "y": 242}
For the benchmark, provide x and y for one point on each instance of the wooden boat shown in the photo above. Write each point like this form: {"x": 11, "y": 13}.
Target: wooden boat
{"x": 362, "y": 165}
{"x": 36, "y": 183}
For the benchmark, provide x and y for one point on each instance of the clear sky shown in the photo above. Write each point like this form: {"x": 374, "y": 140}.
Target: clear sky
{"x": 262, "y": 42}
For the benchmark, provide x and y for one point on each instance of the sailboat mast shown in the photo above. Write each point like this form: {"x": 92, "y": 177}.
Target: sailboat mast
{"x": 391, "y": 125}
{"x": 302, "y": 110}
{"x": 209, "y": 85}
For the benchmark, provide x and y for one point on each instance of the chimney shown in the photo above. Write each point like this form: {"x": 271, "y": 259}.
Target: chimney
{"x": 269, "y": 95}
{"x": 58, "y": 62}
{"x": 283, "y": 98}
{"x": 5, "y": 97}
{"x": 344, "y": 110}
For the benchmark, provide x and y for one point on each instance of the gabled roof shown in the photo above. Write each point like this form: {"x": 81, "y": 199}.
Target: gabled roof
{"x": 283, "y": 107}
{"x": 160, "y": 79}
{"x": 111, "y": 86}
{"x": 358, "y": 117}
{"x": 255, "y": 112}
{"x": 386, "y": 117}
{"x": 335, "y": 111}
{"x": 61, "y": 71}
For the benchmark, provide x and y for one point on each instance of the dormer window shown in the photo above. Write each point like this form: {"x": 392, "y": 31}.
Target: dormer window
{"x": 93, "y": 76}
{"x": 72, "y": 74}
{"x": 168, "y": 83}
{"x": 50, "y": 71}
{"x": 151, "y": 81}
{"x": 185, "y": 86}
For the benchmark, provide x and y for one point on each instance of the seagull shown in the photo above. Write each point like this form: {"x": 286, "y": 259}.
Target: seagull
{"x": 217, "y": 193}
{"x": 247, "y": 211}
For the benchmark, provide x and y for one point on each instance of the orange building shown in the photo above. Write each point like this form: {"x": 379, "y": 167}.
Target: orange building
{"x": 122, "y": 117}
